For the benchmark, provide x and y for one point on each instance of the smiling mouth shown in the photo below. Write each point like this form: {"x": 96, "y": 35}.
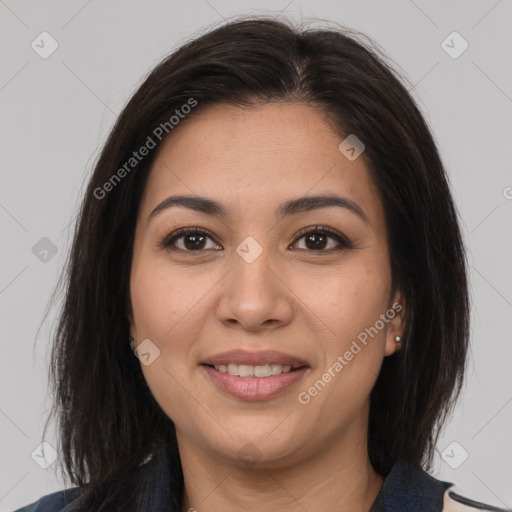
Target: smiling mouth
{"x": 254, "y": 382}
{"x": 254, "y": 371}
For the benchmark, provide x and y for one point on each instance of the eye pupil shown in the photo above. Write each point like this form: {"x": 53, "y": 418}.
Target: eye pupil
{"x": 316, "y": 238}
{"x": 195, "y": 239}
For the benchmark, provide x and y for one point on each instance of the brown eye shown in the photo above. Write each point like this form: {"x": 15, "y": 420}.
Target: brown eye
{"x": 317, "y": 240}
{"x": 190, "y": 239}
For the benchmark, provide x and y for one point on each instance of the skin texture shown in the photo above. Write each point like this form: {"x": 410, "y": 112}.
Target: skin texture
{"x": 310, "y": 305}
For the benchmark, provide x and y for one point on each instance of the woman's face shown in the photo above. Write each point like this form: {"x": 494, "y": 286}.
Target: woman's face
{"x": 253, "y": 282}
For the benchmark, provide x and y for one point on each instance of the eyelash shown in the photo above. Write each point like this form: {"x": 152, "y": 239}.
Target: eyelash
{"x": 344, "y": 242}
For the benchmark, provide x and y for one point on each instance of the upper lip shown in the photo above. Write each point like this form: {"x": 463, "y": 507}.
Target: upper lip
{"x": 254, "y": 358}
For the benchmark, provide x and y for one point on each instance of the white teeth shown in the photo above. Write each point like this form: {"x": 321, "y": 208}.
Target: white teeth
{"x": 248, "y": 370}
{"x": 245, "y": 370}
{"x": 276, "y": 369}
{"x": 262, "y": 370}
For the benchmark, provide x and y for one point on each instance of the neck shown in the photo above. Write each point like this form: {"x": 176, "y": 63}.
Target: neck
{"x": 339, "y": 478}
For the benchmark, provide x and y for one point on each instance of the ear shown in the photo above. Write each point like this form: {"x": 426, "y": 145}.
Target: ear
{"x": 396, "y": 324}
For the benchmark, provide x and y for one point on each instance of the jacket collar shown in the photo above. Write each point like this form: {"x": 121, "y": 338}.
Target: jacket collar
{"x": 407, "y": 487}
{"x": 157, "y": 490}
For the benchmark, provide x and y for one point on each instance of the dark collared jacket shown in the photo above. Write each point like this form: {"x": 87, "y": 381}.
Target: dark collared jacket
{"x": 407, "y": 488}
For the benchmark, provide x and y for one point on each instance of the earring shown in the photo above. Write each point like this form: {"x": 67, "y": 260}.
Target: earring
{"x": 398, "y": 340}
{"x": 130, "y": 339}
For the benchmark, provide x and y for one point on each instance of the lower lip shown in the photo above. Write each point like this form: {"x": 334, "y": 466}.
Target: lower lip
{"x": 254, "y": 388}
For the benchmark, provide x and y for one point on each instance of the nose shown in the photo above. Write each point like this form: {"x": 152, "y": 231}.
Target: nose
{"x": 254, "y": 297}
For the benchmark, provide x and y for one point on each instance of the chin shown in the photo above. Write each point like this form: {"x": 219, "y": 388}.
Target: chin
{"x": 260, "y": 446}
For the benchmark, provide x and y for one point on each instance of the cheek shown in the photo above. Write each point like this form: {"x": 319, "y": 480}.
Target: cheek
{"x": 163, "y": 298}
{"x": 349, "y": 304}
{"x": 349, "y": 298}
{"x": 164, "y": 303}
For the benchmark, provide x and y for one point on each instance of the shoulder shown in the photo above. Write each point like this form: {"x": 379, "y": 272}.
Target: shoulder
{"x": 60, "y": 501}
{"x": 457, "y": 500}
{"x": 408, "y": 487}
{"x": 153, "y": 475}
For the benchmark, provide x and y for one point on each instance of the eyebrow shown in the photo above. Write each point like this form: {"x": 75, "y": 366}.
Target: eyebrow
{"x": 291, "y": 207}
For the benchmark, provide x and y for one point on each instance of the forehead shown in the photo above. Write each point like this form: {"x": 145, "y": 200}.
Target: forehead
{"x": 265, "y": 154}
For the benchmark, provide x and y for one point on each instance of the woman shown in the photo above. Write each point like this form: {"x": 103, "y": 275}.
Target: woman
{"x": 269, "y": 229}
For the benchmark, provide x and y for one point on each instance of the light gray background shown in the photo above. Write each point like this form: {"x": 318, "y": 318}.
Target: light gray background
{"x": 56, "y": 113}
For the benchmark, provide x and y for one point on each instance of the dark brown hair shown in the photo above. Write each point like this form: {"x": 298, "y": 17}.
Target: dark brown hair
{"x": 109, "y": 423}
